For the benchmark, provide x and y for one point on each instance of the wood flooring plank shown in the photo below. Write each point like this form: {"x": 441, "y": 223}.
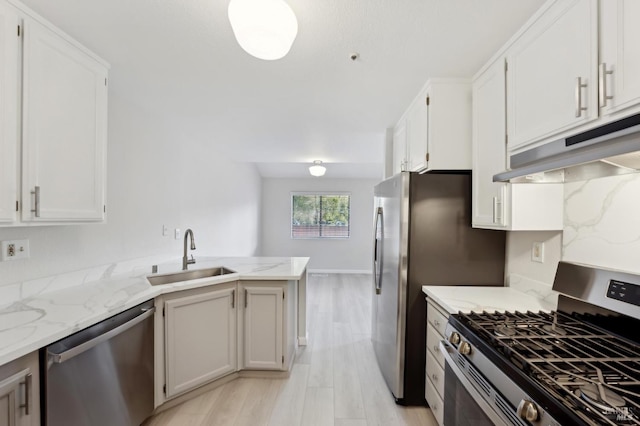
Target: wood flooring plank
{"x": 289, "y": 404}
{"x": 259, "y": 402}
{"x": 227, "y": 407}
{"x": 348, "y": 402}
{"x": 318, "y": 407}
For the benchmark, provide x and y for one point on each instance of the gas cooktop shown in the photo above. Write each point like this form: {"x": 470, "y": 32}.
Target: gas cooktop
{"x": 564, "y": 360}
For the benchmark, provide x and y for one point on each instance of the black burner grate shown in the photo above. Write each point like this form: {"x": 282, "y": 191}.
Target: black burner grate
{"x": 590, "y": 371}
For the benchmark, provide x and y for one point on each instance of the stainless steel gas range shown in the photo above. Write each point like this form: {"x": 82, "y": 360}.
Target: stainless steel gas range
{"x": 579, "y": 365}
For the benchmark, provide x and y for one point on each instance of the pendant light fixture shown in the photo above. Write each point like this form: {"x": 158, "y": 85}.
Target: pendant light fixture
{"x": 317, "y": 169}
{"x": 265, "y": 29}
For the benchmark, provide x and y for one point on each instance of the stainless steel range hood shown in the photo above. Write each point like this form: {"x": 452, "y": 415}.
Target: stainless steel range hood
{"x": 612, "y": 149}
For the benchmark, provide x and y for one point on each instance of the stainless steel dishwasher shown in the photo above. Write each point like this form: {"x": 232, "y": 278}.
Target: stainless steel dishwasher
{"x": 102, "y": 375}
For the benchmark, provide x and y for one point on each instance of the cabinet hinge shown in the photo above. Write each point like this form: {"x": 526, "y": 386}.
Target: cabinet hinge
{"x": 17, "y": 205}
{"x": 427, "y": 157}
{"x": 18, "y": 30}
{"x": 428, "y": 100}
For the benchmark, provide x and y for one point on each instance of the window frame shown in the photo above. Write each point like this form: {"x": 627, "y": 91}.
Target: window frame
{"x": 319, "y": 193}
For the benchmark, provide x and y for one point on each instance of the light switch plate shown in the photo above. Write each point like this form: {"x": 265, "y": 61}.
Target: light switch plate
{"x": 176, "y": 233}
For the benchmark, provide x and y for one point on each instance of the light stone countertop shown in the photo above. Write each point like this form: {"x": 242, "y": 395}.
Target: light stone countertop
{"x": 44, "y": 317}
{"x": 474, "y": 298}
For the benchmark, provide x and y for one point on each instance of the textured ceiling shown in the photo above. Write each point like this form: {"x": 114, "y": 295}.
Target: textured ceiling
{"x": 179, "y": 60}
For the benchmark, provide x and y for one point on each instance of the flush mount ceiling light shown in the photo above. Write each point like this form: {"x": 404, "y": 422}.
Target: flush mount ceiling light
{"x": 317, "y": 169}
{"x": 265, "y": 29}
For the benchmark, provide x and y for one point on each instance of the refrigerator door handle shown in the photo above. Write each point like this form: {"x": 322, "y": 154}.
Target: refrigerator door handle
{"x": 378, "y": 243}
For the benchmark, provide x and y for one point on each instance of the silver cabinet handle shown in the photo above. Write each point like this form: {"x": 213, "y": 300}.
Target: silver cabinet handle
{"x": 36, "y": 193}
{"x": 579, "y": 86}
{"x": 246, "y": 298}
{"x": 603, "y": 85}
{"x": 233, "y": 299}
{"x": 27, "y": 394}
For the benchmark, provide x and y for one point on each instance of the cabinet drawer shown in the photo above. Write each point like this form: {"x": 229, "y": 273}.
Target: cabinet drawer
{"x": 435, "y": 374}
{"x": 436, "y": 318}
{"x": 435, "y": 402}
{"x": 433, "y": 342}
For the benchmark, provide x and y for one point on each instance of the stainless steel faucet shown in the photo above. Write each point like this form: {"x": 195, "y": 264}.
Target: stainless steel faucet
{"x": 185, "y": 260}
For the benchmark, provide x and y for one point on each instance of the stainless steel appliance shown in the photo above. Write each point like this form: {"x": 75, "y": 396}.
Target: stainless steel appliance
{"x": 579, "y": 365}
{"x": 608, "y": 150}
{"x": 423, "y": 236}
{"x": 102, "y": 375}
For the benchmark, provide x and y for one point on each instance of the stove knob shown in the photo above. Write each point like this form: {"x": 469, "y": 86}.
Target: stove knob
{"x": 454, "y": 338}
{"x": 528, "y": 411}
{"x": 464, "y": 348}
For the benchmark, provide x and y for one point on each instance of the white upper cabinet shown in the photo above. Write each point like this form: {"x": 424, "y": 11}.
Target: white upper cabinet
{"x": 489, "y": 145}
{"x": 9, "y": 68}
{"x": 400, "y": 147}
{"x": 619, "y": 69}
{"x": 499, "y": 205}
{"x": 552, "y": 80}
{"x": 64, "y": 129}
{"x": 53, "y": 124}
{"x": 435, "y": 129}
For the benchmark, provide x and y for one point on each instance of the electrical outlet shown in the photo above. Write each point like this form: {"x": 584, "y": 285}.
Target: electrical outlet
{"x": 15, "y": 249}
{"x": 165, "y": 230}
{"x": 176, "y": 233}
{"x": 537, "y": 252}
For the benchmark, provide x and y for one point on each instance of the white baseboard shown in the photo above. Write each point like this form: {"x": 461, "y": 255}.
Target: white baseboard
{"x": 339, "y": 271}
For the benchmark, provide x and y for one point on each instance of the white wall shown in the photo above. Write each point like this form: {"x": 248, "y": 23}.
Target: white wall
{"x": 352, "y": 254}
{"x": 158, "y": 174}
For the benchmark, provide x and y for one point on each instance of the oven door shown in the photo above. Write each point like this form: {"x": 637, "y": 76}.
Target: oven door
{"x": 468, "y": 403}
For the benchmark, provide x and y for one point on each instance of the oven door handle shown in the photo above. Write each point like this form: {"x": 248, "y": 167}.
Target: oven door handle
{"x": 469, "y": 387}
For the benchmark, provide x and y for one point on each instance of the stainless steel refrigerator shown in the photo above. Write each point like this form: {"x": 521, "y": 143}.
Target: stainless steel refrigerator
{"x": 423, "y": 236}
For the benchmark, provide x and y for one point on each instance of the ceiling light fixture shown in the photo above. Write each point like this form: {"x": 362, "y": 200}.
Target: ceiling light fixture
{"x": 317, "y": 169}
{"x": 265, "y": 29}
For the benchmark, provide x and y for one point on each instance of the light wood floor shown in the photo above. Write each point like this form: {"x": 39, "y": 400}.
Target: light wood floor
{"x": 335, "y": 379}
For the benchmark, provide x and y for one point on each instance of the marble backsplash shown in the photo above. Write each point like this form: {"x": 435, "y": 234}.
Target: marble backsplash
{"x": 602, "y": 222}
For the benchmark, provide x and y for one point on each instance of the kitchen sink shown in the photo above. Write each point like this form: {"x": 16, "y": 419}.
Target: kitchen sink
{"x": 188, "y": 275}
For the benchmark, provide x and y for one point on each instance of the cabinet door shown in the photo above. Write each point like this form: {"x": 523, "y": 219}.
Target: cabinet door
{"x": 12, "y": 400}
{"x": 400, "y": 147}
{"x": 619, "y": 70}
{"x": 64, "y": 129}
{"x": 200, "y": 339}
{"x": 263, "y": 321}
{"x": 9, "y": 89}
{"x": 489, "y": 146}
{"x": 552, "y": 73}
{"x": 417, "y": 133}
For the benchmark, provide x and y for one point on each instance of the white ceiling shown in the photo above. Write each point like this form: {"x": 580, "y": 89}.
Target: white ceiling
{"x": 179, "y": 59}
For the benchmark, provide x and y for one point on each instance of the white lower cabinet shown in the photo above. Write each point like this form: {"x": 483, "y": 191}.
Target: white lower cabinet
{"x": 268, "y": 328}
{"x": 207, "y": 333}
{"x": 19, "y": 392}
{"x": 434, "y": 380}
{"x": 200, "y": 333}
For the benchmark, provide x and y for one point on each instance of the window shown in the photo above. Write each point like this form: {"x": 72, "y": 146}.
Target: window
{"x": 320, "y": 215}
